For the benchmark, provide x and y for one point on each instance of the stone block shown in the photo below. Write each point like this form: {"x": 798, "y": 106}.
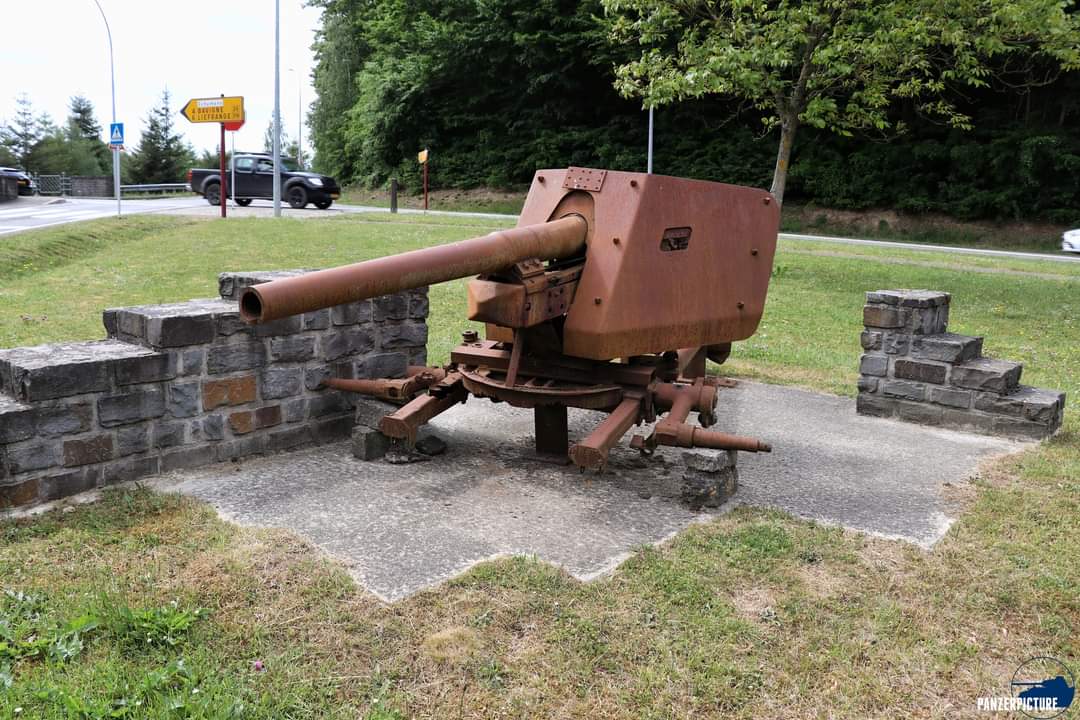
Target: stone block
{"x": 418, "y": 303}
{"x": 909, "y": 298}
{"x": 883, "y": 316}
{"x": 240, "y": 448}
{"x": 64, "y": 419}
{"x": 967, "y": 420}
{"x": 318, "y": 320}
{"x": 383, "y": 365}
{"x": 230, "y": 391}
{"x": 247, "y": 421}
{"x": 145, "y": 368}
{"x": 351, "y": 313}
{"x": 17, "y": 421}
{"x": 172, "y": 324}
{"x": 132, "y": 439}
{"x": 109, "y": 320}
{"x": 418, "y": 356}
{"x": 130, "y": 469}
{"x": 950, "y": 397}
{"x": 403, "y": 335}
{"x": 65, "y": 484}
{"x": 183, "y": 400}
{"x": 231, "y": 284}
{"x": 868, "y": 384}
{"x": 904, "y": 390}
{"x": 188, "y": 457}
{"x": 926, "y": 372}
{"x": 332, "y": 429}
{"x": 370, "y": 411}
{"x": 708, "y": 461}
{"x": 229, "y": 324}
{"x": 875, "y": 405}
{"x": 33, "y": 455}
{"x": 699, "y": 489}
{"x": 87, "y": 451}
{"x": 295, "y": 410}
{"x": 315, "y": 377}
{"x": 282, "y": 326}
{"x": 192, "y": 362}
{"x": 871, "y": 339}
{"x": 46, "y": 372}
{"x": 235, "y": 357}
{"x": 896, "y": 343}
{"x": 130, "y": 407}
{"x": 281, "y": 383}
{"x": 987, "y": 374}
{"x": 391, "y": 307}
{"x": 947, "y": 347}
{"x": 877, "y": 365}
{"x": 170, "y": 434}
{"x": 297, "y": 348}
{"x": 368, "y": 443}
{"x": 1023, "y": 429}
{"x": 210, "y": 428}
{"x": 346, "y": 342}
{"x": 999, "y": 404}
{"x": 329, "y": 403}
{"x": 928, "y": 321}
{"x": 20, "y": 493}
{"x": 919, "y": 412}
{"x": 290, "y": 438}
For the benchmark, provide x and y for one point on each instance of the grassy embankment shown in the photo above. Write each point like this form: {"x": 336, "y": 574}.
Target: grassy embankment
{"x": 752, "y": 615}
{"x": 807, "y": 219}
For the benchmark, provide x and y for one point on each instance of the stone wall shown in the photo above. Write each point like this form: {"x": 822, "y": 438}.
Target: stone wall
{"x": 92, "y": 186}
{"x": 186, "y": 384}
{"x": 914, "y": 369}
{"x": 9, "y": 187}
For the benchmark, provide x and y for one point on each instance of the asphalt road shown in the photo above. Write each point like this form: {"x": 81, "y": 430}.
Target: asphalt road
{"x": 37, "y": 212}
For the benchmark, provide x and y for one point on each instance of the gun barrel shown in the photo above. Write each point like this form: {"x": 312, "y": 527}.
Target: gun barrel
{"x": 562, "y": 238}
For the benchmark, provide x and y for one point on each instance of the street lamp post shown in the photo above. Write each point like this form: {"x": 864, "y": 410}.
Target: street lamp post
{"x": 112, "y": 78}
{"x": 277, "y": 108}
{"x": 299, "y": 121}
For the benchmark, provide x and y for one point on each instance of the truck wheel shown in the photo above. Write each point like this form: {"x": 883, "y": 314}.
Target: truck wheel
{"x": 212, "y": 193}
{"x": 324, "y": 204}
{"x": 297, "y": 197}
{"x": 243, "y": 202}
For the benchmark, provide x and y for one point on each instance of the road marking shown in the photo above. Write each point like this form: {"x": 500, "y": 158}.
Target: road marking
{"x": 67, "y": 214}
{"x": 932, "y": 248}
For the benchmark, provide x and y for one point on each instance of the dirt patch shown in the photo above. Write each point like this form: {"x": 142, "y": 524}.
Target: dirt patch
{"x": 754, "y": 603}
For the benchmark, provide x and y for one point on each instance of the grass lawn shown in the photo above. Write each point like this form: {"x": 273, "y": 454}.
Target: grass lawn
{"x": 148, "y": 605}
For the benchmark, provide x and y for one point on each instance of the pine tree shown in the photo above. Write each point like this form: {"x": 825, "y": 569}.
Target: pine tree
{"x": 162, "y": 155}
{"x": 21, "y": 135}
{"x": 82, "y": 114}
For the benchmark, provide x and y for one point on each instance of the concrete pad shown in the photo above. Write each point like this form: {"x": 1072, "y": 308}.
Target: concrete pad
{"x": 401, "y": 528}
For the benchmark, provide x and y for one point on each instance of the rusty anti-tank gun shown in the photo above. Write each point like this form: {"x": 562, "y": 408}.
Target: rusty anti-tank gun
{"x": 609, "y": 295}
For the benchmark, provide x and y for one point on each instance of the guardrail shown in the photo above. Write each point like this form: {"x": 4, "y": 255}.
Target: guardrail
{"x": 155, "y": 187}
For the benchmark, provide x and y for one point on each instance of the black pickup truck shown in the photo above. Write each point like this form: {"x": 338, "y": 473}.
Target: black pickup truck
{"x": 255, "y": 180}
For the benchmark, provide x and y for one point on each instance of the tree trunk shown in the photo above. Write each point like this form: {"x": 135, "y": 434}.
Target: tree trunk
{"x": 783, "y": 158}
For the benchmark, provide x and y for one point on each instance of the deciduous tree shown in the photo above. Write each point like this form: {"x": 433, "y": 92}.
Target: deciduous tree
{"x": 834, "y": 64}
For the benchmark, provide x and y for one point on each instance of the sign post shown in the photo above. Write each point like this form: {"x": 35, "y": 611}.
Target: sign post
{"x": 116, "y": 144}
{"x": 422, "y": 158}
{"x": 233, "y": 127}
{"x": 223, "y": 110}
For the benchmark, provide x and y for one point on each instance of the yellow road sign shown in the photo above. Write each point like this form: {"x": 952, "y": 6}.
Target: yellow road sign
{"x": 219, "y": 109}
{"x": 421, "y": 157}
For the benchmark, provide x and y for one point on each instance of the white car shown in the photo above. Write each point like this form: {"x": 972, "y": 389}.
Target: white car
{"x": 1070, "y": 241}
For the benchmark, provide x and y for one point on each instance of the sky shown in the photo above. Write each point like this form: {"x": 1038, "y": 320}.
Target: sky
{"x": 53, "y": 49}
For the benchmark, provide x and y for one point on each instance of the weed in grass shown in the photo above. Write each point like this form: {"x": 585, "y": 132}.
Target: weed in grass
{"x": 164, "y": 626}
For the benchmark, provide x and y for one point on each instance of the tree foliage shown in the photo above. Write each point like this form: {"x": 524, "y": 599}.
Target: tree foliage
{"x": 162, "y": 155}
{"x": 834, "y": 64}
{"x": 500, "y": 88}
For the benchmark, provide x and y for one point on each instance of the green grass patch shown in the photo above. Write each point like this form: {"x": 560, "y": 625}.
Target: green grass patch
{"x": 148, "y": 605}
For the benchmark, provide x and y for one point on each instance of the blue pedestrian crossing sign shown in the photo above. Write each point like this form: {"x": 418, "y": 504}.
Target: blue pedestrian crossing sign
{"x": 116, "y": 134}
